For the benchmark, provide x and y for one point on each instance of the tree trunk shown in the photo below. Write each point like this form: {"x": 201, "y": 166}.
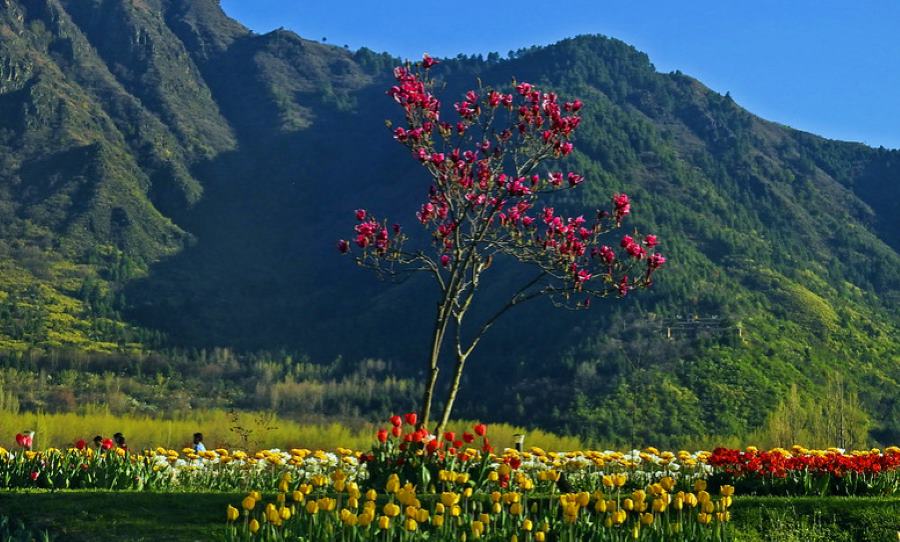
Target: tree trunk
{"x": 440, "y": 327}
{"x": 451, "y": 395}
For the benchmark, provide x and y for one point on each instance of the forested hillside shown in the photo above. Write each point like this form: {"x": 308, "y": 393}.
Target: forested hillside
{"x": 172, "y": 182}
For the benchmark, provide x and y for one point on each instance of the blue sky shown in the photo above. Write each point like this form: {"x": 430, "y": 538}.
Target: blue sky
{"x": 826, "y": 66}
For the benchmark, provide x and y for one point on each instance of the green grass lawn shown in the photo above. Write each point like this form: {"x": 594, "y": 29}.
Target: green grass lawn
{"x": 98, "y": 515}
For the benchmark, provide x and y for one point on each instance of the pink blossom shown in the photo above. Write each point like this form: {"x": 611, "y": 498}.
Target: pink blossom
{"x": 343, "y": 246}
{"x": 445, "y": 260}
{"x": 622, "y": 205}
{"x": 636, "y": 251}
{"x": 656, "y": 261}
{"x": 650, "y": 241}
{"x": 607, "y": 254}
{"x": 360, "y": 214}
{"x": 428, "y": 62}
{"x": 575, "y": 179}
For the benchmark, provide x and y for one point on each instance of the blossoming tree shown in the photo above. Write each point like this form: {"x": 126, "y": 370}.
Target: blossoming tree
{"x": 489, "y": 171}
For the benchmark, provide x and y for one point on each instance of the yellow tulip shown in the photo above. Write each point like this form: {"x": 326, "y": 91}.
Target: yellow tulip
{"x": 393, "y": 484}
{"x": 254, "y": 526}
{"x": 583, "y": 498}
{"x": 232, "y": 513}
{"x": 248, "y": 503}
{"x": 312, "y": 507}
{"x": 438, "y": 521}
{"x": 449, "y": 499}
{"x": 384, "y": 522}
{"x": 646, "y": 518}
{"x": 391, "y": 510}
{"x": 700, "y": 485}
{"x": 727, "y": 491}
{"x": 527, "y": 525}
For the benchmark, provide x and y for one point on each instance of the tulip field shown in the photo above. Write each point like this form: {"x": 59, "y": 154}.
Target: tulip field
{"x": 413, "y": 485}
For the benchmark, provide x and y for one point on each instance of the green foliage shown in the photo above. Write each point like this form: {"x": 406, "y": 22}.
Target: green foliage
{"x": 86, "y": 515}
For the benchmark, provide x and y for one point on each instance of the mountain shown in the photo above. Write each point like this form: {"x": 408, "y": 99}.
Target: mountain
{"x": 170, "y": 181}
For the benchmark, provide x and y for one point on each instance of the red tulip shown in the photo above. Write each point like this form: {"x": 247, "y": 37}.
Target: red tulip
{"x": 81, "y": 444}
{"x": 382, "y": 435}
{"x": 480, "y": 429}
{"x": 411, "y": 418}
{"x": 34, "y": 475}
{"x": 396, "y": 431}
{"x": 396, "y": 421}
{"x": 108, "y": 444}
{"x": 449, "y": 436}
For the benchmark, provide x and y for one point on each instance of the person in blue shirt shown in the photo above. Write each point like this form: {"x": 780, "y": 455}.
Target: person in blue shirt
{"x": 198, "y": 443}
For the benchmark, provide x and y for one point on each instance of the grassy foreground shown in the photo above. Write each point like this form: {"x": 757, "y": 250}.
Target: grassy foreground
{"x": 92, "y": 515}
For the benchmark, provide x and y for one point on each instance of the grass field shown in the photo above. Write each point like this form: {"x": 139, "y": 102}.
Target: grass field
{"x": 93, "y": 515}
{"x": 221, "y": 429}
